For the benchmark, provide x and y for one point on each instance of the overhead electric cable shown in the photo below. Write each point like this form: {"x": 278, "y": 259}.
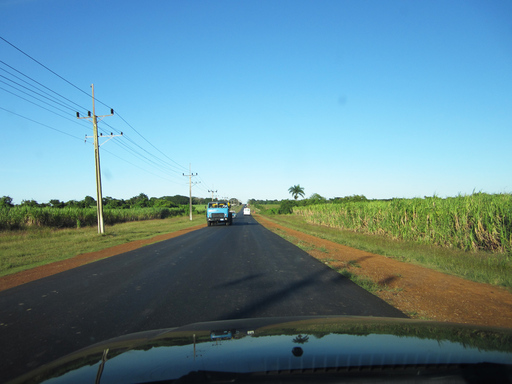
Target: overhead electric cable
{"x": 55, "y": 73}
{"x": 19, "y": 90}
{"x": 121, "y": 117}
{"x": 126, "y": 161}
{"x": 162, "y": 166}
{"x": 46, "y": 109}
{"x": 205, "y": 185}
{"x": 164, "y": 163}
{"x": 44, "y": 125}
{"x": 142, "y": 157}
{"x": 31, "y": 90}
{"x": 42, "y": 85}
{"x": 97, "y": 100}
{"x": 44, "y": 66}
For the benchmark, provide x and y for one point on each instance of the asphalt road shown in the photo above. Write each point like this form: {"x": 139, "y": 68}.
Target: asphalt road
{"x": 215, "y": 273}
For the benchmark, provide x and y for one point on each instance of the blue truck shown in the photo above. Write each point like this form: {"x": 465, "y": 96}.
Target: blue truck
{"x": 218, "y": 212}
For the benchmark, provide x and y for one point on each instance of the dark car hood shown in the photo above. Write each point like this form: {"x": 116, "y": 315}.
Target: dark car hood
{"x": 282, "y": 346}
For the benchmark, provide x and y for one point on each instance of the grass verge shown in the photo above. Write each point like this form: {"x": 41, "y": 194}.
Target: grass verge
{"x": 478, "y": 266}
{"x": 364, "y": 282}
{"x": 22, "y": 250}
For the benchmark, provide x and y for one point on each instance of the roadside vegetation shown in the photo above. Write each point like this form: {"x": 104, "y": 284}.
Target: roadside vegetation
{"x": 467, "y": 236}
{"x": 77, "y": 214}
{"x": 19, "y": 218}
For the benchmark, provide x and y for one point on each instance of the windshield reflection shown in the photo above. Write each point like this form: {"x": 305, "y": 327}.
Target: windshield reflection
{"x": 293, "y": 346}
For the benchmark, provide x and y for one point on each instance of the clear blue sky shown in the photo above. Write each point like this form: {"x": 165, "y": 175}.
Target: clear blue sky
{"x": 380, "y": 98}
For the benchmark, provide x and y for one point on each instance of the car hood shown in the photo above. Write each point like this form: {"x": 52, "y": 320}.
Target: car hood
{"x": 237, "y": 350}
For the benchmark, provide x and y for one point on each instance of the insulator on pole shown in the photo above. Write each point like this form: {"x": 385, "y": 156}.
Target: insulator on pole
{"x": 111, "y": 111}
{"x": 78, "y": 114}
{"x": 89, "y": 113}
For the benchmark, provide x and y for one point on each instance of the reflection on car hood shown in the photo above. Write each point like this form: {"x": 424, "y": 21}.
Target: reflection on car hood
{"x": 283, "y": 346}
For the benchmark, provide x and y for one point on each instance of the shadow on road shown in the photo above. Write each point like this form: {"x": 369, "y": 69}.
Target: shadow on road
{"x": 239, "y": 281}
{"x": 255, "y": 308}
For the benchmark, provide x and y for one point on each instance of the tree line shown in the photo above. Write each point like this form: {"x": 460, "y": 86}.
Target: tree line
{"x": 140, "y": 201}
{"x": 286, "y": 206}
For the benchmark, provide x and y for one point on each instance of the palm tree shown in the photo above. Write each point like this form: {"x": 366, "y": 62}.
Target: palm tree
{"x": 296, "y": 191}
{"x": 299, "y": 339}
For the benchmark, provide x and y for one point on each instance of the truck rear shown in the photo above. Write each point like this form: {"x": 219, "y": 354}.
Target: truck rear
{"x": 218, "y": 212}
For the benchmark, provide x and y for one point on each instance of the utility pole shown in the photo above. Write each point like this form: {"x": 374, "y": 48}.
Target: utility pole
{"x": 99, "y": 197}
{"x": 190, "y": 174}
{"x": 212, "y": 193}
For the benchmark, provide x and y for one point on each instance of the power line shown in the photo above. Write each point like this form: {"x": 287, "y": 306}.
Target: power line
{"x": 181, "y": 167}
{"x": 164, "y": 163}
{"x": 74, "y": 121}
{"x": 44, "y": 125}
{"x": 40, "y": 106}
{"x": 142, "y": 169}
{"x": 28, "y": 94}
{"x": 150, "y": 143}
{"x": 35, "y": 81}
{"x": 206, "y": 187}
{"x": 44, "y": 66}
{"x": 158, "y": 162}
{"x": 53, "y": 72}
{"x": 99, "y": 101}
{"x": 142, "y": 156}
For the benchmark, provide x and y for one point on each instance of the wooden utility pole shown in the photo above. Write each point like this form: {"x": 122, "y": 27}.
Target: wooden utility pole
{"x": 190, "y": 174}
{"x": 212, "y": 191}
{"x": 99, "y": 196}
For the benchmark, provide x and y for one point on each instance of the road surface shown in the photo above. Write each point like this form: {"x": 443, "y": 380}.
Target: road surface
{"x": 215, "y": 273}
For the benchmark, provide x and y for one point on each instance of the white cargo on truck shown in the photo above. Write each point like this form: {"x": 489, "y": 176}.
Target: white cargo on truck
{"x": 247, "y": 211}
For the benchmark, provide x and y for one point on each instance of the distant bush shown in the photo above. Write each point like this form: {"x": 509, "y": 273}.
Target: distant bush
{"x": 286, "y": 207}
{"x": 349, "y": 199}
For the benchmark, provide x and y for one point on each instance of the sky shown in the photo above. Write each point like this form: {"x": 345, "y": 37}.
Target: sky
{"x": 377, "y": 98}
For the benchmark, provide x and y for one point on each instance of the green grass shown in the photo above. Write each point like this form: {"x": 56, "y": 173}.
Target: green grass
{"x": 479, "y": 266}
{"x": 306, "y": 247}
{"x": 364, "y": 282}
{"x": 266, "y": 208}
{"x": 21, "y": 250}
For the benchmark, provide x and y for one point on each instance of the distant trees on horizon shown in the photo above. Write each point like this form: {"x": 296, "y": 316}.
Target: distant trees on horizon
{"x": 140, "y": 201}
